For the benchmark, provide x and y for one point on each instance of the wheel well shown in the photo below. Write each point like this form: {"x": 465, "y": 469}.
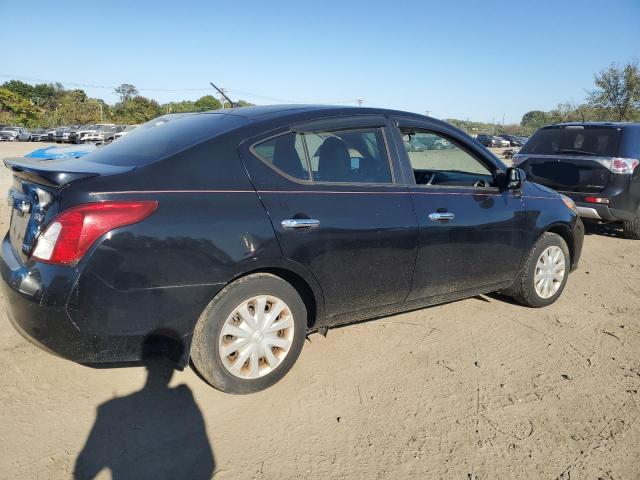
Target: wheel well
{"x": 565, "y": 233}
{"x": 301, "y": 286}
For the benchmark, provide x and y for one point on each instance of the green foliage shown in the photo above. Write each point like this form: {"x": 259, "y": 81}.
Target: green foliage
{"x": 126, "y": 91}
{"x": 136, "y": 110}
{"x": 208, "y": 102}
{"x": 75, "y": 108}
{"x": 17, "y": 109}
{"x": 22, "y": 89}
{"x": 618, "y": 90}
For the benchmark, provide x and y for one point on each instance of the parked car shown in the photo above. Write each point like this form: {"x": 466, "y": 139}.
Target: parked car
{"x": 102, "y": 133}
{"x": 225, "y": 237}
{"x": 59, "y": 134}
{"x": 55, "y": 153}
{"x": 492, "y": 140}
{"x": 38, "y": 135}
{"x": 127, "y": 129}
{"x": 596, "y": 164}
{"x": 74, "y": 135}
{"x": 66, "y": 133}
{"x": 514, "y": 140}
{"x": 51, "y": 135}
{"x": 14, "y": 134}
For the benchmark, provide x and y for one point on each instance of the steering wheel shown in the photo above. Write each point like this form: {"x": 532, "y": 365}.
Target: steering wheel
{"x": 480, "y": 184}
{"x": 432, "y": 177}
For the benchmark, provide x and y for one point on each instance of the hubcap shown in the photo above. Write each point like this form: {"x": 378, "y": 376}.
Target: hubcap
{"x": 550, "y": 271}
{"x": 256, "y": 337}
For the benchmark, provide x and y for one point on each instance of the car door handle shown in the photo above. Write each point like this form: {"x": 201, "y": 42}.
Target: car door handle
{"x": 441, "y": 216}
{"x": 300, "y": 223}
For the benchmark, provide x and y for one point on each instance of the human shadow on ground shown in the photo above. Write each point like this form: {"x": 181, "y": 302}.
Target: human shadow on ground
{"x": 157, "y": 432}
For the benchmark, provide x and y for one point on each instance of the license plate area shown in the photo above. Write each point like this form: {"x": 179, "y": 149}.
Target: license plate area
{"x": 20, "y": 217}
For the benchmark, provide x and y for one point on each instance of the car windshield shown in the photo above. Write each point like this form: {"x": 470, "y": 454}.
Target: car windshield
{"x": 578, "y": 140}
{"x": 10, "y": 129}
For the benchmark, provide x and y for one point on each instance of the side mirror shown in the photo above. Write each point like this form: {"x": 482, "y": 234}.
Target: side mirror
{"x": 515, "y": 178}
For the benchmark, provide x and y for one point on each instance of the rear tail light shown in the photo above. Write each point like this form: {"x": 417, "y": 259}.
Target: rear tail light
{"x": 596, "y": 200}
{"x": 622, "y": 165}
{"x": 67, "y": 238}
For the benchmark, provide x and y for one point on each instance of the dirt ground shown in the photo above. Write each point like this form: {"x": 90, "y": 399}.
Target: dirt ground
{"x": 475, "y": 389}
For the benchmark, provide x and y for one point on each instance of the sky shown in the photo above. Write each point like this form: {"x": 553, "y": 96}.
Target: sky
{"x": 486, "y": 61}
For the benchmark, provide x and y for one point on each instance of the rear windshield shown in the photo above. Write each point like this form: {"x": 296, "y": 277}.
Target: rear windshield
{"x": 595, "y": 141}
{"x": 163, "y": 137}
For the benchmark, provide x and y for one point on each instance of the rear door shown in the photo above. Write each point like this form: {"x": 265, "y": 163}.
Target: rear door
{"x": 331, "y": 190}
{"x": 471, "y": 234}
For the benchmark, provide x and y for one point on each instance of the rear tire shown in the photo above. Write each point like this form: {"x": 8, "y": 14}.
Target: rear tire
{"x": 545, "y": 272}
{"x": 631, "y": 228}
{"x": 238, "y": 345}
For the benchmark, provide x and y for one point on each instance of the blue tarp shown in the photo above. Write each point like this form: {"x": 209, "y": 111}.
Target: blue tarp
{"x": 53, "y": 153}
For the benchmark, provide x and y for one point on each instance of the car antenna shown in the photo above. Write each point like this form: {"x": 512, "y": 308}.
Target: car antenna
{"x": 221, "y": 92}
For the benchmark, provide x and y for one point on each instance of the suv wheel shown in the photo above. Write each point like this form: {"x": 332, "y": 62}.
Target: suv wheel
{"x": 632, "y": 227}
{"x": 250, "y": 335}
{"x": 545, "y": 272}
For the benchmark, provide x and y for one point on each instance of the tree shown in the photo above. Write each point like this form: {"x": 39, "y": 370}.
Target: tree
{"x": 208, "y": 102}
{"x": 75, "y": 108}
{"x": 138, "y": 109}
{"x": 534, "y": 119}
{"x": 618, "y": 90}
{"x": 17, "y": 109}
{"x": 16, "y": 86}
{"x": 126, "y": 91}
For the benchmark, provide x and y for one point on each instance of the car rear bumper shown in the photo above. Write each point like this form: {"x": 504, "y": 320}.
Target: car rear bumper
{"x": 605, "y": 213}
{"x": 80, "y": 318}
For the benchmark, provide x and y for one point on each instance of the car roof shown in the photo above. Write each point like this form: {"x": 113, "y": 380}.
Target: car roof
{"x": 594, "y": 124}
{"x": 260, "y": 112}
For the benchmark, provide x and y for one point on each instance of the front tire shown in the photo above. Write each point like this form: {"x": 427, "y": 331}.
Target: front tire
{"x": 250, "y": 335}
{"x": 545, "y": 272}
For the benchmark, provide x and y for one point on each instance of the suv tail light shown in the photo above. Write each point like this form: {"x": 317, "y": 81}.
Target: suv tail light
{"x": 621, "y": 165}
{"x": 67, "y": 238}
{"x": 602, "y": 200}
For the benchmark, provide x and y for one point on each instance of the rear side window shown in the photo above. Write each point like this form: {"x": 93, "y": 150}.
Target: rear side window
{"x": 163, "y": 137}
{"x": 286, "y": 154}
{"x": 337, "y": 156}
{"x": 594, "y": 141}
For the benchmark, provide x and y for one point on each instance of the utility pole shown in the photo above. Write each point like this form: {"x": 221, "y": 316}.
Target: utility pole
{"x": 359, "y": 102}
{"x": 427, "y": 112}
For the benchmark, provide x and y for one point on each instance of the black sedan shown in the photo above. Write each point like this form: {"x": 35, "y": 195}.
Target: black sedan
{"x": 225, "y": 237}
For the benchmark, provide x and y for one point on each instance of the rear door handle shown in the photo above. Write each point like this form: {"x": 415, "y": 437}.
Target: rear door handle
{"x": 441, "y": 217}
{"x": 300, "y": 223}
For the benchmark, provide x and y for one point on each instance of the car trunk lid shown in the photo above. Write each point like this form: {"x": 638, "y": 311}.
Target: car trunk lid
{"x": 35, "y": 194}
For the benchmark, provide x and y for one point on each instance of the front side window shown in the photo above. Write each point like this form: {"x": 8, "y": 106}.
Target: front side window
{"x": 436, "y": 160}
{"x": 344, "y": 156}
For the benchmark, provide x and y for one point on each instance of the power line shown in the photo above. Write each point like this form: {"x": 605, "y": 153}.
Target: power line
{"x": 205, "y": 89}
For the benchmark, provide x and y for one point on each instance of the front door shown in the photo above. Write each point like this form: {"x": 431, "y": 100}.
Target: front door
{"x": 471, "y": 234}
{"x": 336, "y": 209}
